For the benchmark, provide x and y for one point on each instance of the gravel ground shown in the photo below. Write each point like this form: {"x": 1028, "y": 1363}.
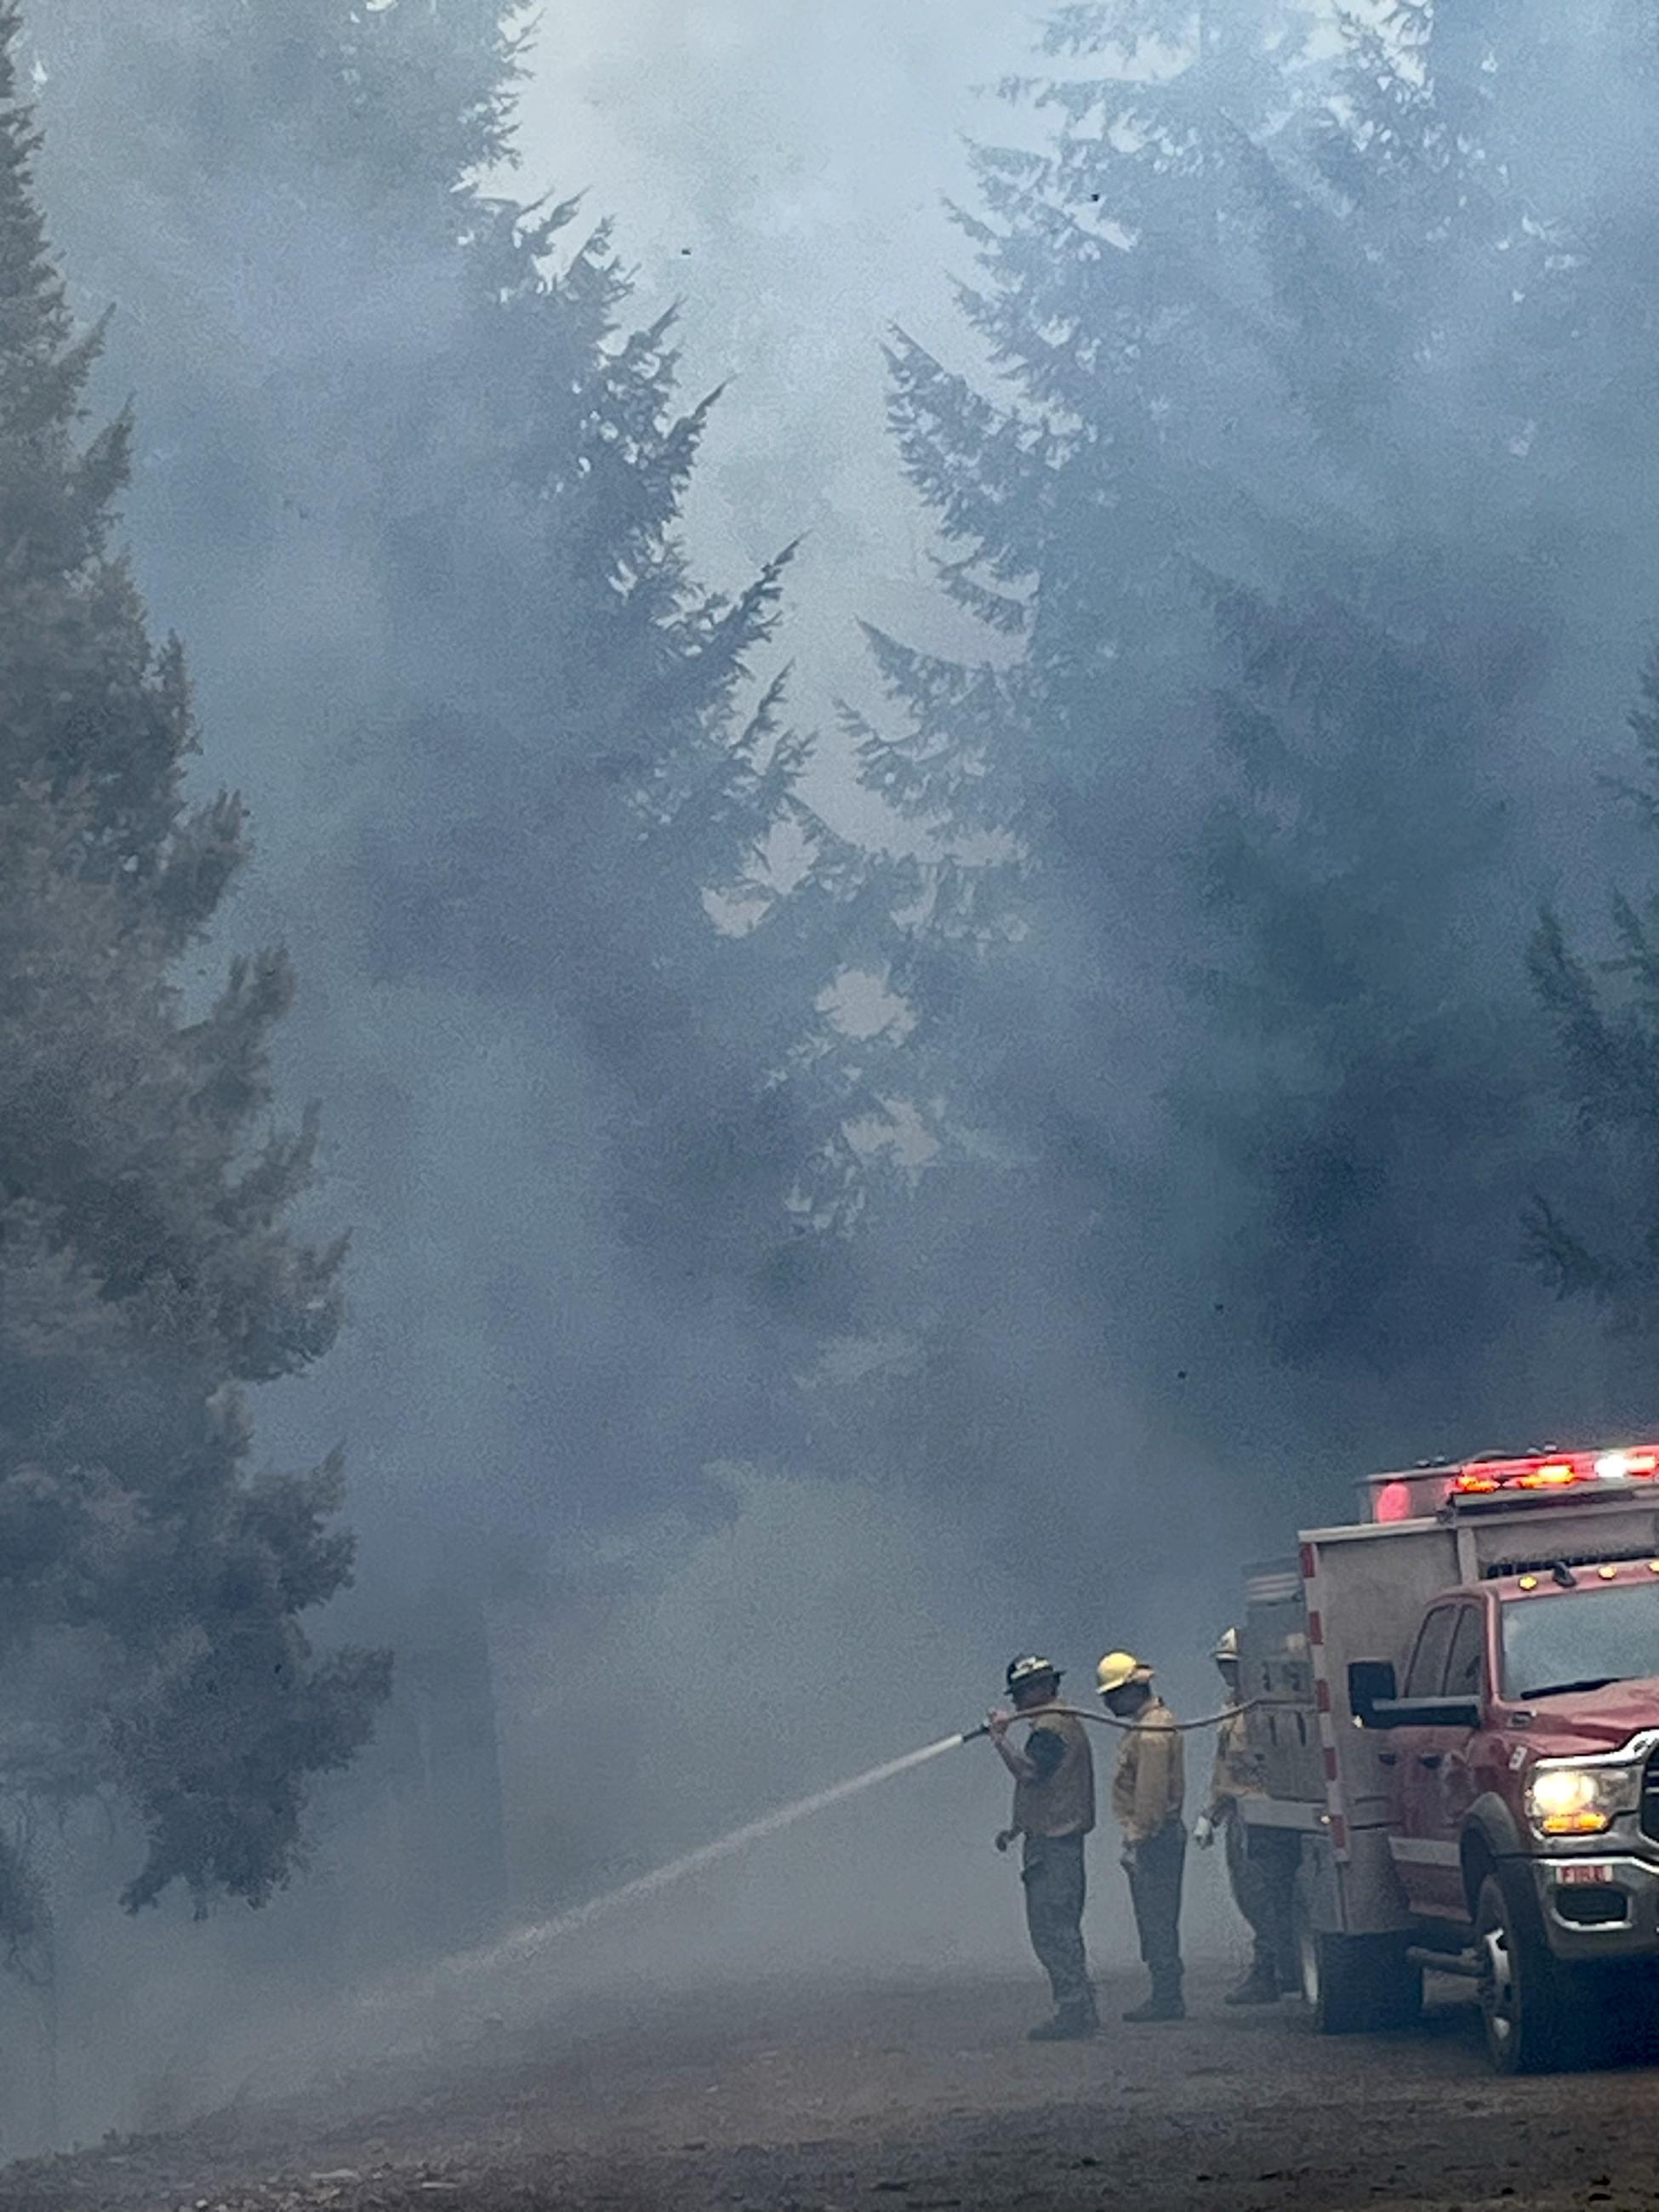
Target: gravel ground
{"x": 926, "y": 2098}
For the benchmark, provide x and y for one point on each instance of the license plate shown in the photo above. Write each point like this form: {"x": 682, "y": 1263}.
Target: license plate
{"x": 1589, "y": 1872}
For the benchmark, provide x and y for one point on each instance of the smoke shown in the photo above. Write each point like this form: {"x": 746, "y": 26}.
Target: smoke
{"x": 679, "y": 1683}
{"x": 632, "y": 1642}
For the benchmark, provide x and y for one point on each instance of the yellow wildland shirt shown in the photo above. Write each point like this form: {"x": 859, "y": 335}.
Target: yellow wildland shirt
{"x": 1150, "y": 1784}
{"x": 1061, "y": 1800}
{"x": 1238, "y": 1768}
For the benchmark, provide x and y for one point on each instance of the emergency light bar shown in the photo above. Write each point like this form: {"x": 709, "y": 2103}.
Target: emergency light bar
{"x": 1558, "y": 1471}
{"x": 1425, "y": 1491}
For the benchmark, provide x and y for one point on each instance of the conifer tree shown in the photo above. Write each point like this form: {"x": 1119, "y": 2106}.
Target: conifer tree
{"x": 1593, "y": 1231}
{"x": 557, "y": 774}
{"x": 1590, "y": 1227}
{"x": 1082, "y": 498}
{"x": 1375, "y": 1095}
{"x": 1268, "y": 508}
{"x": 154, "y": 1586}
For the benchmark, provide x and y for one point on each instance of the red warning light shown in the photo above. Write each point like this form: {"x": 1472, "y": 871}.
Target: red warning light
{"x": 1557, "y": 1471}
{"x": 1429, "y": 1489}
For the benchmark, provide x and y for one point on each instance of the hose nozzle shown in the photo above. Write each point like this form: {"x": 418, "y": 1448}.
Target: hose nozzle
{"x": 969, "y": 1734}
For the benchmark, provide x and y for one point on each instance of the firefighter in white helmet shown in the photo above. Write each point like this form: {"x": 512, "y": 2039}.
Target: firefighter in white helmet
{"x": 1261, "y": 1861}
{"x": 1147, "y": 1790}
{"x": 1054, "y": 1773}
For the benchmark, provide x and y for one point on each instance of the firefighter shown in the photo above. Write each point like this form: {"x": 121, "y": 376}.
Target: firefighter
{"x": 1054, "y": 1773}
{"x": 1262, "y": 1862}
{"x": 1147, "y": 1790}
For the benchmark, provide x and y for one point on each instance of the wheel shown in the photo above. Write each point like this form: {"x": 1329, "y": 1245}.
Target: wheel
{"x": 1355, "y": 1983}
{"x": 1529, "y": 2002}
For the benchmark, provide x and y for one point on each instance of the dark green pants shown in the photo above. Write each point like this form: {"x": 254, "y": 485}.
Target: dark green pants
{"x": 1261, "y": 1865}
{"x": 1056, "y": 1887}
{"x": 1155, "y": 1889}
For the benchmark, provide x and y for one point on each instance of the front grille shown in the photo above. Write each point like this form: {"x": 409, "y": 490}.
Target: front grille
{"x": 1650, "y": 1797}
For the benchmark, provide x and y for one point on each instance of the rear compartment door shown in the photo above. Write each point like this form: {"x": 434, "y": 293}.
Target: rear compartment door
{"x": 1365, "y": 1590}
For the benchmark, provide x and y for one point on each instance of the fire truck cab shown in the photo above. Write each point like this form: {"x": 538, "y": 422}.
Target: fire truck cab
{"x": 1458, "y": 1713}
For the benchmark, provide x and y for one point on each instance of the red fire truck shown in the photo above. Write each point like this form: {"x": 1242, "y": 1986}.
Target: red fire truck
{"x": 1460, "y": 1715}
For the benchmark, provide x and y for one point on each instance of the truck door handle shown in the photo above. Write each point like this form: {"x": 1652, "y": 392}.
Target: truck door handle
{"x": 1388, "y": 1757}
{"x": 1428, "y": 1758}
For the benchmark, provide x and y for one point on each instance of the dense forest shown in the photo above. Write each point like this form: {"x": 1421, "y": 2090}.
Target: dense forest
{"x": 1234, "y": 1049}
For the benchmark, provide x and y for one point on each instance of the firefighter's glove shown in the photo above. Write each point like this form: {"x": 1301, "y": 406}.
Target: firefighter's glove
{"x": 1203, "y": 1832}
{"x": 1005, "y": 1837}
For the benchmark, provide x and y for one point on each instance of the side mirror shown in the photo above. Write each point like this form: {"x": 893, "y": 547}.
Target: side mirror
{"x": 1371, "y": 1682}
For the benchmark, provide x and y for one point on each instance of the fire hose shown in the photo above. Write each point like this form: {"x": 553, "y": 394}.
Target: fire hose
{"x": 1111, "y": 1720}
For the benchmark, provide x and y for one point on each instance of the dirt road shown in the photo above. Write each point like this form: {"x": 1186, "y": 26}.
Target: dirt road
{"x": 921, "y": 2098}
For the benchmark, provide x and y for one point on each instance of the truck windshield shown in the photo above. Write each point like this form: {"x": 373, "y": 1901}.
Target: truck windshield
{"x": 1582, "y": 1639}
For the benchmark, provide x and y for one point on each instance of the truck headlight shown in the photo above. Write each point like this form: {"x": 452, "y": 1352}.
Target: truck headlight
{"x": 1580, "y": 1801}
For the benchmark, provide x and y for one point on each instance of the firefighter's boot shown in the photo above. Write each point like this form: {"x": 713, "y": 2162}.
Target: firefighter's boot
{"x": 1165, "y": 2003}
{"x": 1071, "y": 2024}
{"x": 1258, "y": 1987}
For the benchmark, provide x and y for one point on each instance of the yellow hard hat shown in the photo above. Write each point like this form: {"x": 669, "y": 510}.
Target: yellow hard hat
{"x": 1118, "y": 1667}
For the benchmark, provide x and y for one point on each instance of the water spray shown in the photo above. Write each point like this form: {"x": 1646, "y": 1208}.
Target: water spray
{"x": 527, "y": 1943}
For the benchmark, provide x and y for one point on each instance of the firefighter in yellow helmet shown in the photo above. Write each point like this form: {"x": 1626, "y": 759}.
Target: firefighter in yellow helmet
{"x": 1053, "y": 1773}
{"x": 1147, "y": 1790}
{"x": 1261, "y": 1861}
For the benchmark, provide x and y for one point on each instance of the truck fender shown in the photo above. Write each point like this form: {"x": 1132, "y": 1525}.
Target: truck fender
{"x": 1490, "y": 1835}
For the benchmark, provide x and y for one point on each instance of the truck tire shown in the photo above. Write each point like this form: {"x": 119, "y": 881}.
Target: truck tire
{"x": 1355, "y": 1985}
{"x": 1532, "y": 2006}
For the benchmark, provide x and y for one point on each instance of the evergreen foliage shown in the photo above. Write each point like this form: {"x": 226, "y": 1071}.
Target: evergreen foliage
{"x": 1364, "y": 863}
{"x": 1596, "y": 1234}
{"x": 1264, "y": 503}
{"x": 556, "y": 799}
{"x": 154, "y": 1587}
